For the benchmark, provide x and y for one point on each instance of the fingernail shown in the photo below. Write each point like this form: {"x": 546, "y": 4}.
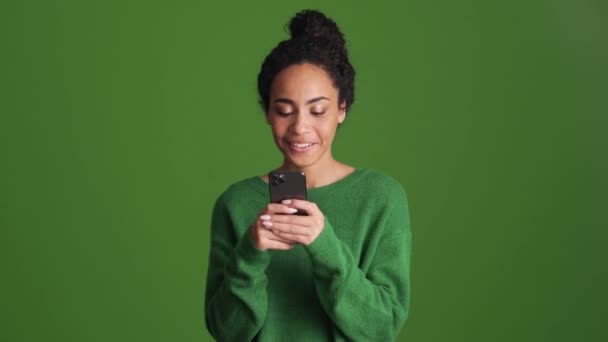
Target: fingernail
{"x": 286, "y": 202}
{"x": 265, "y": 217}
{"x": 292, "y": 210}
{"x": 267, "y": 223}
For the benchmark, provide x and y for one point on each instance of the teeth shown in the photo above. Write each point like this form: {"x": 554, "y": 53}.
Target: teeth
{"x": 301, "y": 145}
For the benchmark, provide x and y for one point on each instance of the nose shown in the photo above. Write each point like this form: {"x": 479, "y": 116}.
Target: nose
{"x": 300, "y": 124}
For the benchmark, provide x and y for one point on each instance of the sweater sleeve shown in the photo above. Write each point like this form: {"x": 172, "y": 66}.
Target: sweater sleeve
{"x": 235, "y": 295}
{"x": 371, "y": 305}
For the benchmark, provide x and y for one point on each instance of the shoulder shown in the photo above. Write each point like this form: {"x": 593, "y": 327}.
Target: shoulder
{"x": 388, "y": 195}
{"x": 245, "y": 188}
{"x": 371, "y": 189}
{"x": 378, "y": 183}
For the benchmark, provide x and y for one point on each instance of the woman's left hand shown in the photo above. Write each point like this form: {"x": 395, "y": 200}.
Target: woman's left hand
{"x": 297, "y": 228}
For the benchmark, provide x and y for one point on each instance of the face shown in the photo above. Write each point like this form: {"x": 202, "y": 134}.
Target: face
{"x": 303, "y": 112}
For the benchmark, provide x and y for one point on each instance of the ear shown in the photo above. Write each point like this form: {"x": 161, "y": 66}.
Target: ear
{"x": 342, "y": 112}
{"x": 267, "y": 117}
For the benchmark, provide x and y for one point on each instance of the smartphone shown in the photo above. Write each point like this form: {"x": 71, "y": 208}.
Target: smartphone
{"x": 287, "y": 185}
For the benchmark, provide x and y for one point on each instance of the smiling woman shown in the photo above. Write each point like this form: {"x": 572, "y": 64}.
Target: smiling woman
{"x": 342, "y": 271}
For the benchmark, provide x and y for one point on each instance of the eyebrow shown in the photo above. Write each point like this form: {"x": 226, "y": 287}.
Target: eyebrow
{"x": 285, "y": 100}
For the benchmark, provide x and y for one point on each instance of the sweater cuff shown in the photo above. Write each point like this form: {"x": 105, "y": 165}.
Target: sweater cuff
{"x": 323, "y": 249}
{"x": 248, "y": 253}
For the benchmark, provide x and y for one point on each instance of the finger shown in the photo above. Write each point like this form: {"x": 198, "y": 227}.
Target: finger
{"x": 281, "y": 240}
{"x": 309, "y": 207}
{"x": 297, "y": 220}
{"x": 271, "y": 244}
{"x": 301, "y": 239}
{"x": 272, "y": 236}
{"x": 287, "y": 228}
{"x": 278, "y": 208}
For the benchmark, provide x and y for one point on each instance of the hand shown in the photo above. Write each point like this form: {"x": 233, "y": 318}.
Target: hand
{"x": 296, "y": 228}
{"x": 263, "y": 237}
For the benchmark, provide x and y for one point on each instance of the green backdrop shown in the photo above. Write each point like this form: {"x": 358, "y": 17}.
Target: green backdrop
{"x": 122, "y": 121}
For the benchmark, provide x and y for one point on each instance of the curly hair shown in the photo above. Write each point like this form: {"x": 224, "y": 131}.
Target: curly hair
{"x": 315, "y": 39}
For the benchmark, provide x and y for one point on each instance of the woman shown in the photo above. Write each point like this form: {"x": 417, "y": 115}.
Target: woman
{"x": 340, "y": 273}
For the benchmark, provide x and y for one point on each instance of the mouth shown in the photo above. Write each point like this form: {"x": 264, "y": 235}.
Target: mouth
{"x": 301, "y": 147}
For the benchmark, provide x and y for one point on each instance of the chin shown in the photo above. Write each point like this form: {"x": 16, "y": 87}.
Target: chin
{"x": 299, "y": 164}
{"x": 302, "y": 163}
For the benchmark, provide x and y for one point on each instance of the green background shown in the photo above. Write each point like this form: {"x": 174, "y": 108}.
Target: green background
{"x": 122, "y": 121}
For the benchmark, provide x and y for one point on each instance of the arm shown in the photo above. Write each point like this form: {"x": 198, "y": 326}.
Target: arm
{"x": 368, "y": 304}
{"x": 365, "y": 306}
{"x": 235, "y": 295}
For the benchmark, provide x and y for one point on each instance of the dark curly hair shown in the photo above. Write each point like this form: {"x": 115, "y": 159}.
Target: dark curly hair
{"x": 315, "y": 39}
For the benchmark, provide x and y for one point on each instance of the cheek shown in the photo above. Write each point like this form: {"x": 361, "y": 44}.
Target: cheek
{"x": 278, "y": 130}
{"x": 328, "y": 131}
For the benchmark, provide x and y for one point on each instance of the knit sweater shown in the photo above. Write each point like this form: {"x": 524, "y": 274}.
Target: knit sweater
{"x": 351, "y": 283}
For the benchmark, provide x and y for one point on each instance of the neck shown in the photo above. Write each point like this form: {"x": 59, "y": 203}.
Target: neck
{"x": 321, "y": 173}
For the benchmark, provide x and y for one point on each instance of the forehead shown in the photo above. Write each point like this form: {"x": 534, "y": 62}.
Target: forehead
{"x": 301, "y": 82}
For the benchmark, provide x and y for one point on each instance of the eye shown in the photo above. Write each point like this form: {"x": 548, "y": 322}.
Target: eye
{"x": 284, "y": 110}
{"x": 317, "y": 111}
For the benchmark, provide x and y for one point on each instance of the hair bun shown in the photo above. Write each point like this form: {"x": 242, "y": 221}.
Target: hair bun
{"x": 312, "y": 24}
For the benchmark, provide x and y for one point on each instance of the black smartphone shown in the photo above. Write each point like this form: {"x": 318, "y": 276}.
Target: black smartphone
{"x": 287, "y": 185}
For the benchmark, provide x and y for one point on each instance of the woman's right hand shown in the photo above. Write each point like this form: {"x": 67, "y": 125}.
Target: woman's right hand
{"x": 264, "y": 238}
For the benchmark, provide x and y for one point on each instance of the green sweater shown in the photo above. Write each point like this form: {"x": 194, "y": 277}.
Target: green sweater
{"x": 351, "y": 283}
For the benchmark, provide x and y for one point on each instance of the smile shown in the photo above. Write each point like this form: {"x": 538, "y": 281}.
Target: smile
{"x": 301, "y": 147}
